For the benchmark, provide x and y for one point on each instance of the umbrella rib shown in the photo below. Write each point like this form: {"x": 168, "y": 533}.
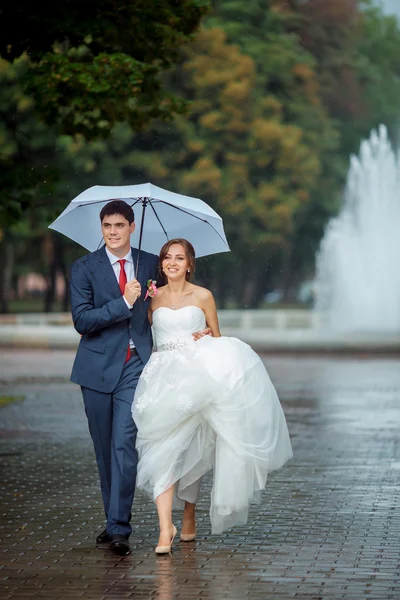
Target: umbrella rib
{"x": 158, "y": 219}
{"x": 196, "y": 217}
{"x": 136, "y": 201}
{"x": 89, "y": 202}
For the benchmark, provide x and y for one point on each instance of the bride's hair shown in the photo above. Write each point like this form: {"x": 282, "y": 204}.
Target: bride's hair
{"x": 189, "y": 251}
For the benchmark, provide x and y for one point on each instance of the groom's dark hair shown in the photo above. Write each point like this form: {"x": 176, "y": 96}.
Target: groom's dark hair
{"x": 118, "y": 207}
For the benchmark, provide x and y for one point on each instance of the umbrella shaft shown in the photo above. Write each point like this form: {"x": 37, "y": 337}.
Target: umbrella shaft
{"x": 144, "y": 203}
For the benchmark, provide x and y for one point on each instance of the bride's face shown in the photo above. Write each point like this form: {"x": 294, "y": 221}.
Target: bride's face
{"x": 175, "y": 263}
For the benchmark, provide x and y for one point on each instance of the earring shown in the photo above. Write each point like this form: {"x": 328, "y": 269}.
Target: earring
{"x": 188, "y": 271}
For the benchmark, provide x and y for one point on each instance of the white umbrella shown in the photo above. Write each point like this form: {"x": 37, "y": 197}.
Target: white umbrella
{"x": 160, "y": 215}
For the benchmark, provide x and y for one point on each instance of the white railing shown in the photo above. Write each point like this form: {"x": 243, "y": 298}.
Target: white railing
{"x": 268, "y": 319}
{"x": 229, "y": 319}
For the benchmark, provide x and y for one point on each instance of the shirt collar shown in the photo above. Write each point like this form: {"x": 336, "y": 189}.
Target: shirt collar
{"x": 113, "y": 259}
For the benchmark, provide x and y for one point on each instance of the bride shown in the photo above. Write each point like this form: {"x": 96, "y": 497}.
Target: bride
{"x": 200, "y": 406}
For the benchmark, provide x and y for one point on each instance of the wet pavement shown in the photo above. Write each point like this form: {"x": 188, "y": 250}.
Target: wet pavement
{"x": 328, "y": 526}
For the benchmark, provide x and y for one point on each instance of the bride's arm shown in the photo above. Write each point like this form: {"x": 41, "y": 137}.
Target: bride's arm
{"x": 210, "y": 311}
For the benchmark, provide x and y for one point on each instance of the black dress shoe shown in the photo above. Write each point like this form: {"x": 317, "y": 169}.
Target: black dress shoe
{"x": 103, "y": 538}
{"x": 119, "y": 545}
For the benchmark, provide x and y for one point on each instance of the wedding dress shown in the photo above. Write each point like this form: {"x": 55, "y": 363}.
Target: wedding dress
{"x": 206, "y": 405}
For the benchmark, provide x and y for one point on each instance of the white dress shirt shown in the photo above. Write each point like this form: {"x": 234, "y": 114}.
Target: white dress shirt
{"x": 129, "y": 270}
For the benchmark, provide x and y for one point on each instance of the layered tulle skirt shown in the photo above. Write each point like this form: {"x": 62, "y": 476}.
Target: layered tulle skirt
{"x": 209, "y": 405}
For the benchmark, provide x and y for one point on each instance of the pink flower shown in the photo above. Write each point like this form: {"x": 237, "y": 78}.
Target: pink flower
{"x": 151, "y": 289}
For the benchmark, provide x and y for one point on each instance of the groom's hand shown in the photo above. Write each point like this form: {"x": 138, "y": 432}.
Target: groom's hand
{"x": 132, "y": 291}
{"x": 197, "y": 335}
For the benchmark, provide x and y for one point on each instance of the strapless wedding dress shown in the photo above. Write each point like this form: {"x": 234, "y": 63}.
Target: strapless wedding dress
{"x": 206, "y": 405}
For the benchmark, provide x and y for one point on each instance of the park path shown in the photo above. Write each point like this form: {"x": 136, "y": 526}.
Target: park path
{"x": 328, "y": 526}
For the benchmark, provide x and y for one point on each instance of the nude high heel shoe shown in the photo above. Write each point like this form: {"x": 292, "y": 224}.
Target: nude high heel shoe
{"x": 167, "y": 549}
{"x": 188, "y": 537}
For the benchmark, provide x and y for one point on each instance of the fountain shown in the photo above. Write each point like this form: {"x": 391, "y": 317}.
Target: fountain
{"x": 358, "y": 263}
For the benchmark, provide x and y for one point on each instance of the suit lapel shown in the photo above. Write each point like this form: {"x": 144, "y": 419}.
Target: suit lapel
{"x": 107, "y": 274}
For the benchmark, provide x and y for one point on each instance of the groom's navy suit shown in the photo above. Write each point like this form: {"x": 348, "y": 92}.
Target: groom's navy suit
{"x": 108, "y": 383}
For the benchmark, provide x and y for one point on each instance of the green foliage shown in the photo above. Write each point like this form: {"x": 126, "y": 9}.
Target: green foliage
{"x": 105, "y": 89}
{"x": 6, "y": 400}
{"x": 26, "y": 148}
{"x": 268, "y": 140}
{"x": 251, "y": 152}
{"x": 151, "y": 32}
{"x": 80, "y": 68}
{"x": 379, "y": 70}
{"x": 95, "y": 64}
{"x": 355, "y": 48}
{"x": 257, "y": 115}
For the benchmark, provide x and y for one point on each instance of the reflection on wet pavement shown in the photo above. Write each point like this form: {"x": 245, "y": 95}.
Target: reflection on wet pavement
{"x": 328, "y": 526}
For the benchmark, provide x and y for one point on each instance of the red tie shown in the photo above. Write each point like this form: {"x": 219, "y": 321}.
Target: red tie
{"x": 122, "y": 283}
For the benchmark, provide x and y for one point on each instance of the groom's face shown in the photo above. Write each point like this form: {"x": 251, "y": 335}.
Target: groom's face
{"x": 117, "y": 234}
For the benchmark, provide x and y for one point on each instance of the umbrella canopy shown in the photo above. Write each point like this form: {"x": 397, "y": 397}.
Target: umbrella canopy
{"x": 160, "y": 215}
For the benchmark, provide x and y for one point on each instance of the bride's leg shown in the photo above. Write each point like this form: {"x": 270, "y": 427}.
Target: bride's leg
{"x": 164, "y": 509}
{"x": 189, "y": 519}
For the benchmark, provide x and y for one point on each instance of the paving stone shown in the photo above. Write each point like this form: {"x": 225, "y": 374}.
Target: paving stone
{"x": 328, "y": 525}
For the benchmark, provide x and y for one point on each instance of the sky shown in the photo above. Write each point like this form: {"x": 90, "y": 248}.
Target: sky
{"x": 390, "y": 6}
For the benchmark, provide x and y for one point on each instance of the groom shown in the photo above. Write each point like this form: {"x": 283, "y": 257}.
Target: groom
{"x": 109, "y": 311}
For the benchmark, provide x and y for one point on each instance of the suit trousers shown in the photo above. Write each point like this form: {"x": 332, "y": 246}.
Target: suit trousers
{"x": 113, "y": 432}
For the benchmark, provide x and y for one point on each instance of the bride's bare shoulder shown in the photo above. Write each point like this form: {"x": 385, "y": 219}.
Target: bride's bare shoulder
{"x": 160, "y": 291}
{"x": 201, "y": 293}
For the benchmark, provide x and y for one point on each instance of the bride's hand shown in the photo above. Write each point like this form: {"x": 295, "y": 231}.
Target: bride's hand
{"x": 197, "y": 335}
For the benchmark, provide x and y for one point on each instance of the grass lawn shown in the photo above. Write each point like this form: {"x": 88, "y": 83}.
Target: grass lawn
{"x": 5, "y": 400}
{"x": 31, "y": 306}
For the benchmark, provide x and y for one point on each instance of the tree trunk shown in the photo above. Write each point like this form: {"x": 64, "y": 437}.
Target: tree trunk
{"x": 57, "y": 265}
{"x": 65, "y": 273}
{"x": 222, "y": 285}
{"x": 7, "y": 265}
{"x": 51, "y": 287}
{"x": 65, "y": 302}
{"x": 251, "y": 291}
{"x": 286, "y": 279}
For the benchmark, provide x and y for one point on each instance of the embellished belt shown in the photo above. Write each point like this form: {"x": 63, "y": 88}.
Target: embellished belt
{"x": 175, "y": 345}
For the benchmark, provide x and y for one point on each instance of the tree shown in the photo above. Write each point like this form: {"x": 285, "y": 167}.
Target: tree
{"x": 378, "y": 68}
{"x": 78, "y": 67}
{"x": 355, "y": 47}
{"x": 26, "y": 146}
{"x": 26, "y": 164}
{"x": 92, "y": 64}
{"x": 346, "y": 54}
{"x": 279, "y": 93}
{"x": 287, "y": 79}
{"x": 82, "y": 67}
{"x": 243, "y": 151}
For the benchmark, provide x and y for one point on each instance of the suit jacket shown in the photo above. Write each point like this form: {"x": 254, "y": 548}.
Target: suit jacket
{"x": 105, "y": 322}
